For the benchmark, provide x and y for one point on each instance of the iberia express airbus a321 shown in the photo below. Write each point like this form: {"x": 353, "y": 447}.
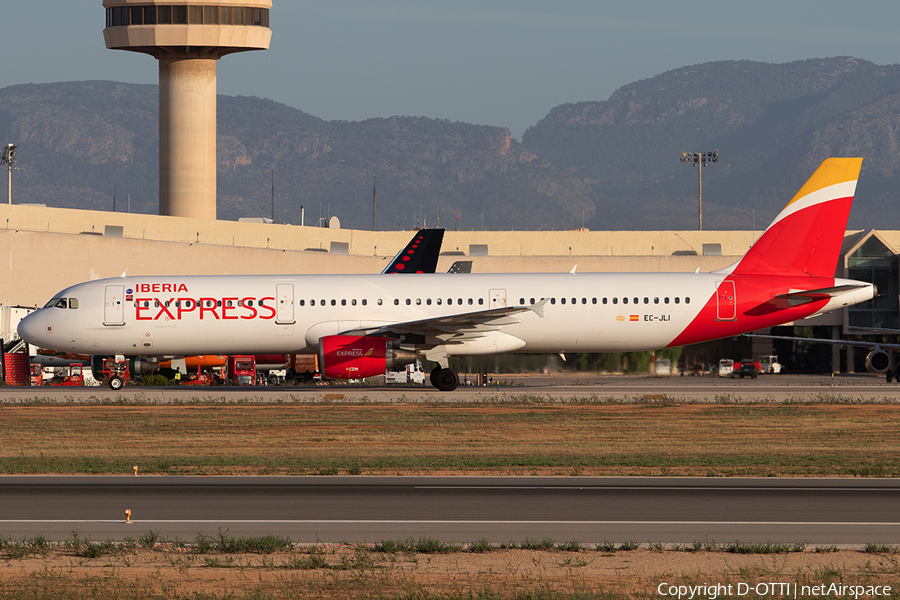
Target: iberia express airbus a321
{"x": 361, "y": 324}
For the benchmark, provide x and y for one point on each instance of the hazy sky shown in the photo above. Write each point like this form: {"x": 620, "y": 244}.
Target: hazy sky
{"x": 492, "y": 62}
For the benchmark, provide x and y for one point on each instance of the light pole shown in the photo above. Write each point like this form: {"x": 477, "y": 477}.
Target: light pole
{"x": 273, "y": 194}
{"x": 700, "y": 160}
{"x": 8, "y": 158}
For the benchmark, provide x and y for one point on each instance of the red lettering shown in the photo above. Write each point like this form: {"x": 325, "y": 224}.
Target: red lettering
{"x": 226, "y": 306}
{"x": 205, "y": 309}
{"x": 247, "y": 304}
{"x": 143, "y": 287}
{"x": 155, "y": 287}
{"x": 181, "y": 288}
{"x": 166, "y": 287}
{"x": 163, "y": 309}
{"x": 268, "y": 308}
{"x": 141, "y": 308}
{"x": 182, "y": 304}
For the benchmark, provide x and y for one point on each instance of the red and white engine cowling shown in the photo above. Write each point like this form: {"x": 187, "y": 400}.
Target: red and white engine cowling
{"x": 357, "y": 357}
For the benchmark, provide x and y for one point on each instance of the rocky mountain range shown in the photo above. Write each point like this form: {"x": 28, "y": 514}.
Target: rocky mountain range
{"x": 610, "y": 164}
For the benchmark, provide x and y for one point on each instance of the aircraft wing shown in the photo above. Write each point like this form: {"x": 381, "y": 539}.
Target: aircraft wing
{"x": 453, "y": 328}
{"x": 826, "y": 341}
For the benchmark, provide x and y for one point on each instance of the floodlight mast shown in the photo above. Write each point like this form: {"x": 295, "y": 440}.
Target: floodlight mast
{"x": 8, "y": 158}
{"x": 700, "y": 160}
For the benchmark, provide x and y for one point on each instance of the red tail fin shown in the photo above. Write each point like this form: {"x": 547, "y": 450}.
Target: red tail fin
{"x": 806, "y": 236}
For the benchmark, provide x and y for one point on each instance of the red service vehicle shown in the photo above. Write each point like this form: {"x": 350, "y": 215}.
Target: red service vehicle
{"x": 74, "y": 378}
{"x": 37, "y": 375}
{"x": 242, "y": 370}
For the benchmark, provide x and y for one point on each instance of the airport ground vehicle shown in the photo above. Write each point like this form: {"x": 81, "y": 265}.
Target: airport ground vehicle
{"x": 74, "y": 377}
{"x": 769, "y": 364}
{"x": 726, "y": 367}
{"x": 241, "y": 369}
{"x": 302, "y": 368}
{"x": 663, "y": 366}
{"x": 747, "y": 368}
{"x": 413, "y": 373}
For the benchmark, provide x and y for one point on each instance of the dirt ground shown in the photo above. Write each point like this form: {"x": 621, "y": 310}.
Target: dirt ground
{"x": 342, "y": 571}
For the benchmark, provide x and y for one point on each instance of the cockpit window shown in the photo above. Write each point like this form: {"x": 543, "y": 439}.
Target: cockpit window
{"x": 62, "y": 303}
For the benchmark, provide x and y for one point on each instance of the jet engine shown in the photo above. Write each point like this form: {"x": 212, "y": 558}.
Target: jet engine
{"x": 878, "y": 361}
{"x": 357, "y": 357}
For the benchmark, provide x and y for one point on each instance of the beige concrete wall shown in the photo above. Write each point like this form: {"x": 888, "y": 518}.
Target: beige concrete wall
{"x": 295, "y": 237}
{"x": 49, "y": 249}
{"x": 40, "y": 264}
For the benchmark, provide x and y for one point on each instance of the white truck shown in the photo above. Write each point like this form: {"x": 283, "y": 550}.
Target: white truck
{"x": 726, "y": 367}
{"x": 770, "y": 364}
{"x": 409, "y": 374}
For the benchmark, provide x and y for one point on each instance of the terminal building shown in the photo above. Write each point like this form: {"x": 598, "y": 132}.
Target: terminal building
{"x": 52, "y": 248}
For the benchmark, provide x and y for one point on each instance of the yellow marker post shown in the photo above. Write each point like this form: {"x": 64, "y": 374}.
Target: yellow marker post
{"x": 135, "y": 470}
{"x": 128, "y": 516}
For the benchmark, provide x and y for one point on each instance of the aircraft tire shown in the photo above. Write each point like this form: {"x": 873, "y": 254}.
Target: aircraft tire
{"x": 435, "y": 372}
{"x": 116, "y": 383}
{"x": 447, "y": 380}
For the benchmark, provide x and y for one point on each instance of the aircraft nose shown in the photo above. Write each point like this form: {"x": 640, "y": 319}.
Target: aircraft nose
{"x": 31, "y": 328}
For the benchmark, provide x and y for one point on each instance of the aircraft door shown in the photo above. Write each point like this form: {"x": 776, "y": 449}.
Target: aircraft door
{"x": 284, "y": 303}
{"x": 114, "y": 305}
{"x": 726, "y": 303}
{"x": 498, "y": 298}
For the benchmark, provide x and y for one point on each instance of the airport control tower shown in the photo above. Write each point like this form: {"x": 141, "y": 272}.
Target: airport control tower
{"x": 187, "y": 37}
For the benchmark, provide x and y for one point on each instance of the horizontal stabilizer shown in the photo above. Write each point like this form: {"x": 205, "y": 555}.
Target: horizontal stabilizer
{"x": 797, "y": 297}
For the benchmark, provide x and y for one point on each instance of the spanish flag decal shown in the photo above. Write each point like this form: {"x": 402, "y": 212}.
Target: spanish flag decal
{"x": 634, "y": 318}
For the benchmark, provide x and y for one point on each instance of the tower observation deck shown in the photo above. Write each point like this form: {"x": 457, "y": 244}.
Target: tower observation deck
{"x": 187, "y": 37}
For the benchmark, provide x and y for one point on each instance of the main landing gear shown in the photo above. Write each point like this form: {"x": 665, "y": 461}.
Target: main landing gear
{"x": 443, "y": 379}
{"x": 893, "y": 374}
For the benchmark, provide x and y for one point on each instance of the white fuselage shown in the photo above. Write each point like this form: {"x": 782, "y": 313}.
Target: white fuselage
{"x": 585, "y": 312}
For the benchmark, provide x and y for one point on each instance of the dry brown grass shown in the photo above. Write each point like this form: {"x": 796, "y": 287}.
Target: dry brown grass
{"x": 516, "y": 439}
{"x": 691, "y": 439}
{"x": 350, "y": 572}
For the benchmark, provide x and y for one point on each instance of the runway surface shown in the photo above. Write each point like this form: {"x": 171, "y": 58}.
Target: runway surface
{"x": 458, "y": 509}
{"x": 464, "y": 509}
{"x": 556, "y": 388}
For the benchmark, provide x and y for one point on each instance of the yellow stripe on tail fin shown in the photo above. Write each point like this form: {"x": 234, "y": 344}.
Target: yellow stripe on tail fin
{"x": 806, "y": 236}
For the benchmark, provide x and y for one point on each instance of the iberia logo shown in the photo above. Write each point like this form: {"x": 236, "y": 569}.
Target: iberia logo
{"x": 620, "y": 318}
{"x": 634, "y": 318}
